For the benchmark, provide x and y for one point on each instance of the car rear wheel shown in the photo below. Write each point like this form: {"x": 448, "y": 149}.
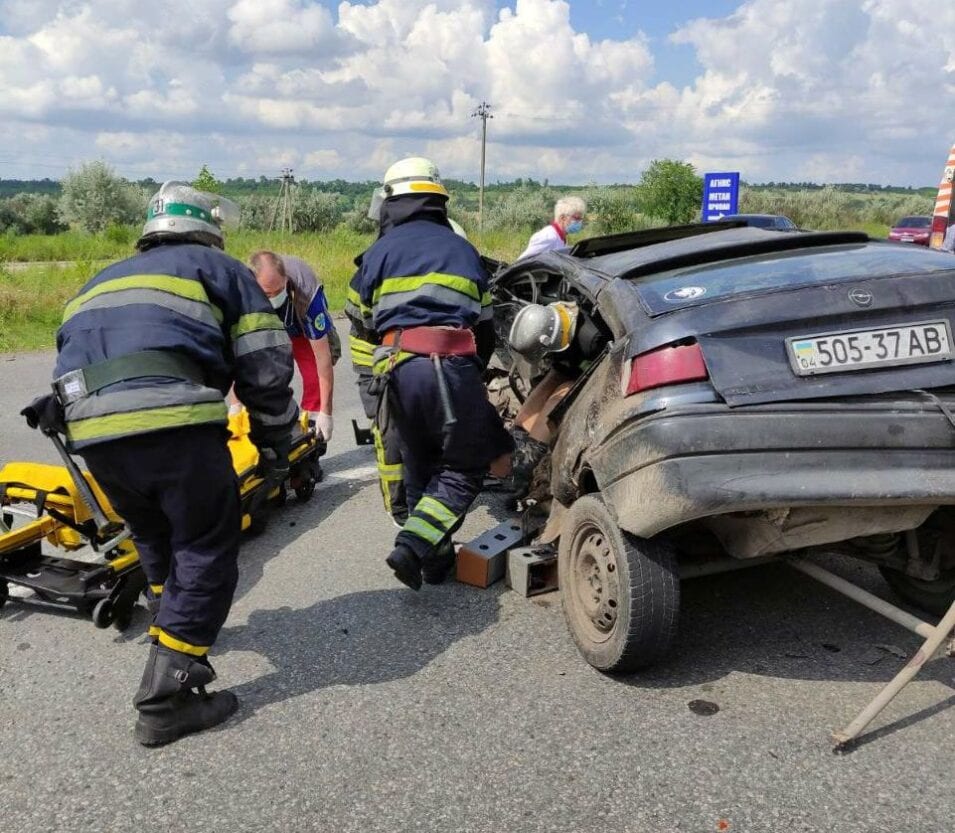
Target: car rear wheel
{"x": 934, "y": 596}
{"x": 621, "y": 594}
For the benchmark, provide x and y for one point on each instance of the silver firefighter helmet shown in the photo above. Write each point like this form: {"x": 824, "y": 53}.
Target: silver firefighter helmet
{"x": 179, "y": 211}
{"x": 538, "y": 330}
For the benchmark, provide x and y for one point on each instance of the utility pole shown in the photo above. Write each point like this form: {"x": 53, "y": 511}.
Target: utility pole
{"x": 284, "y": 203}
{"x": 483, "y": 112}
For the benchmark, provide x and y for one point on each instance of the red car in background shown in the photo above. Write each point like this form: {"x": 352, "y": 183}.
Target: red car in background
{"x": 912, "y": 230}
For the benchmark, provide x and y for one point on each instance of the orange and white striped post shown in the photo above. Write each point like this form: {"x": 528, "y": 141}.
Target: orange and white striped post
{"x": 942, "y": 215}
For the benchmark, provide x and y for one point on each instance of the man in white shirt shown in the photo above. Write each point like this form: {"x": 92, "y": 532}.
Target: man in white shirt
{"x": 948, "y": 242}
{"x": 568, "y": 219}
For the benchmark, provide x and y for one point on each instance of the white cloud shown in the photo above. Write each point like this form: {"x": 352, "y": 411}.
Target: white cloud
{"x": 809, "y": 89}
{"x": 280, "y": 27}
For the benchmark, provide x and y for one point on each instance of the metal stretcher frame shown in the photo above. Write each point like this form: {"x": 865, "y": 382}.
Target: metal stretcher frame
{"x": 932, "y": 648}
{"x": 107, "y": 590}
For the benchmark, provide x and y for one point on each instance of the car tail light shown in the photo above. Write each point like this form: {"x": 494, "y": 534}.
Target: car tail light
{"x": 670, "y": 365}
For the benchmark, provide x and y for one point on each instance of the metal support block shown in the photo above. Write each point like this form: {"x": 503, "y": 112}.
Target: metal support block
{"x": 532, "y": 570}
{"x": 483, "y": 560}
{"x": 363, "y": 436}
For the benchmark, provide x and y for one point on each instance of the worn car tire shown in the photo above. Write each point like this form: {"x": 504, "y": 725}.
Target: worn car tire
{"x": 621, "y": 594}
{"x": 934, "y": 596}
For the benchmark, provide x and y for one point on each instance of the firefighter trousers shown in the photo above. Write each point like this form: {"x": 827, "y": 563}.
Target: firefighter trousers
{"x": 442, "y": 479}
{"x": 178, "y": 493}
{"x": 387, "y": 455}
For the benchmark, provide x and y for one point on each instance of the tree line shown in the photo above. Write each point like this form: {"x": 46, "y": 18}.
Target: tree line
{"x": 94, "y": 199}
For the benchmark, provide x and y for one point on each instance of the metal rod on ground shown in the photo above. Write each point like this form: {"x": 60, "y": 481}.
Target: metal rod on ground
{"x": 934, "y": 637}
{"x": 863, "y": 597}
{"x": 723, "y": 565}
{"x": 922, "y": 656}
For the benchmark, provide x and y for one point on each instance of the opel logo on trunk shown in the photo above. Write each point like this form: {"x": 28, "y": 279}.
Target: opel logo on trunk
{"x": 860, "y": 297}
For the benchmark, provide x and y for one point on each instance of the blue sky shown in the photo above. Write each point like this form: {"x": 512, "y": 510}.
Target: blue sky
{"x": 806, "y": 90}
{"x": 612, "y": 18}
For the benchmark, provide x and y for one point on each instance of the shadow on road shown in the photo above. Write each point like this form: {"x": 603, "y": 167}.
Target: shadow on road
{"x": 372, "y": 636}
{"x": 345, "y": 473}
{"x": 297, "y": 518}
{"x": 775, "y": 622}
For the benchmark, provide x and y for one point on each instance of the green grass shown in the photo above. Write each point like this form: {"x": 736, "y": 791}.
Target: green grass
{"x": 70, "y": 245}
{"x": 32, "y": 298}
{"x": 331, "y": 254}
{"x": 32, "y": 301}
{"x": 876, "y": 230}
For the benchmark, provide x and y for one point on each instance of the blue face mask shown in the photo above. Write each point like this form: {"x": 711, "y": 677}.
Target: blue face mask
{"x": 575, "y": 226}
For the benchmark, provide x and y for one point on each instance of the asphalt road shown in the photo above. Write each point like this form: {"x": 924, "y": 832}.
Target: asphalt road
{"x": 366, "y": 707}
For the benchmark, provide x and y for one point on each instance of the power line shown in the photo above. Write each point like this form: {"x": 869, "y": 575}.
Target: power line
{"x": 284, "y": 203}
{"x": 483, "y": 112}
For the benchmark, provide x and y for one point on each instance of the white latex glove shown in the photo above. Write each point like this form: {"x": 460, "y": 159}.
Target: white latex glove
{"x": 235, "y": 409}
{"x": 324, "y": 424}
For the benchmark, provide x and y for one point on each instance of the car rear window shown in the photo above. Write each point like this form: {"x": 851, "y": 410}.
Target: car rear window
{"x": 697, "y": 285}
{"x": 915, "y": 222}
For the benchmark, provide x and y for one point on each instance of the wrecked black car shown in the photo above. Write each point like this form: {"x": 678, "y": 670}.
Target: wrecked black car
{"x": 744, "y": 394}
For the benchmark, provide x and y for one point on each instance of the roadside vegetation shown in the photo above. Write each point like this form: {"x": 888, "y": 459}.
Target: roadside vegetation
{"x": 55, "y": 237}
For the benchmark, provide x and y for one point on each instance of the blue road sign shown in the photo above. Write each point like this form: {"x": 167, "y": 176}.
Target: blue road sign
{"x": 720, "y": 195}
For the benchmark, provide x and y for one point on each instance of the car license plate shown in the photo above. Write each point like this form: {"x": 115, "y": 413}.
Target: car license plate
{"x": 864, "y": 349}
{"x": 907, "y": 238}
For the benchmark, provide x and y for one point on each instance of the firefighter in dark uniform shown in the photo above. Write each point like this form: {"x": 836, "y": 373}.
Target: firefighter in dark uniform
{"x": 423, "y": 290}
{"x": 363, "y": 340}
{"x": 147, "y": 351}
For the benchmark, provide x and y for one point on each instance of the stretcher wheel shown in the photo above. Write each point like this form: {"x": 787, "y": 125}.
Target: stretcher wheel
{"x": 258, "y": 522}
{"x": 122, "y": 620}
{"x": 305, "y": 489}
{"x": 4, "y": 593}
{"x": 103, "y": 613}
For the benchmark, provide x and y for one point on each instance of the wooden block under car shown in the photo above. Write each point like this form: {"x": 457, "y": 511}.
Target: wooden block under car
{"x": 483, "y": 560}
{"x": 532, "y": 570}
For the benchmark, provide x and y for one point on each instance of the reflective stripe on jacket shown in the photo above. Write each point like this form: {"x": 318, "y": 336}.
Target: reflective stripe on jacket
{"x": 419, "y": 273}
{"x": 189, "y": 299}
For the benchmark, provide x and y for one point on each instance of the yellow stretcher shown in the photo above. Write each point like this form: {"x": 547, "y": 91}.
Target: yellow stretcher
{"x": 44, "y": 515}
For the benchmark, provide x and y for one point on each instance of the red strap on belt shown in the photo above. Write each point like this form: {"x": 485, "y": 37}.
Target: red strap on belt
{"x": 445, "y": 341}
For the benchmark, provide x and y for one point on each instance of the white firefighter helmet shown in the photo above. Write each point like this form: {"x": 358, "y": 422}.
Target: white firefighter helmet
{"x": 414, "y": 175}
{"x": 177, "y": 210}
{"x": 538, "y": 330}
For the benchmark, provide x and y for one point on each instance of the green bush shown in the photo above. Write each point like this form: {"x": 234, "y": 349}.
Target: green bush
{"x": 670, "y": 190}
{"x": 832, "y": 209}
{"x": 30, "y": 214}
{"x": 611, "y": 210}
{"x": 523, "y": 208}
{"x": 94, "y": 198}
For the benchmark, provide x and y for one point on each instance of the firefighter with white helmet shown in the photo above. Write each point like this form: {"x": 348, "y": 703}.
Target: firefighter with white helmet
{"x": 547, "y": 336}
{"x": 146, "y": 353}
{"x": 538, "y": 329}
{"x": 363, "y": 341}
{"x": 420, "y": 294}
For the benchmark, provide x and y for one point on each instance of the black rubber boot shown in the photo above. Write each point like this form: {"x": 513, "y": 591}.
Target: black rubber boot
{"x": 406, "y": 565}
{"x": 528, "y": 454}
{"x": 168, "y": 706}
{"x": 438, "y": 566}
